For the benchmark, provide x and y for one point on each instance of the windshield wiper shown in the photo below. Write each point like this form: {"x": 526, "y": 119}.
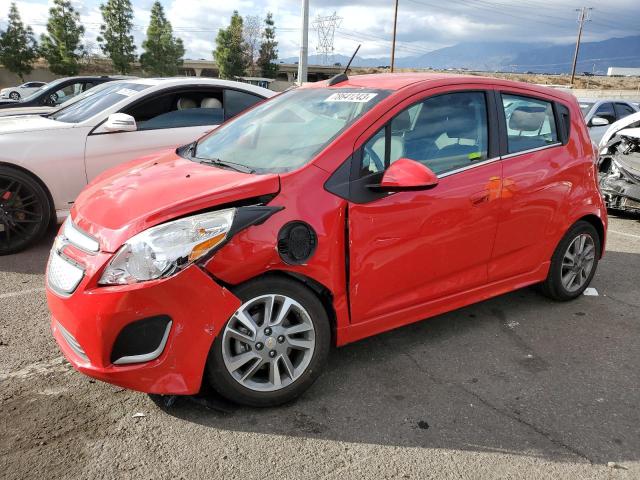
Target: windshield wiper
{"x": 222, "y": 163}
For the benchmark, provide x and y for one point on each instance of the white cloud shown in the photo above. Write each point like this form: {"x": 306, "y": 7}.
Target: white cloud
{"x": 423, "y": 25}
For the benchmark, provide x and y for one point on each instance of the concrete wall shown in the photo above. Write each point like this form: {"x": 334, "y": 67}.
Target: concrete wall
{"x": 633, "y": 95}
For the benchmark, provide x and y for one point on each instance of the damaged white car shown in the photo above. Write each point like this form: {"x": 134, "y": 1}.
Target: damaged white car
{"x": 619, "y": 165}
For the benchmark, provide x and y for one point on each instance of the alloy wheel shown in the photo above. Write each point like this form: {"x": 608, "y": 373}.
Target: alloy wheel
{"x": 20, "y": 213}
{"x": 268, "y": 343}
{"x": 578, "y": 262}
{"x": 14, "y": 96}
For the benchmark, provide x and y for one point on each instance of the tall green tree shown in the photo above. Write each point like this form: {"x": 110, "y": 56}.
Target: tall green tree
{"x": 230, "y": 49}
{"x": 18, "y": 48}
{"x": 162, "y": 51}
{"x": 268, "y": 49}
{"x": 62, "y": 45}
{"x": 115, "y": 37}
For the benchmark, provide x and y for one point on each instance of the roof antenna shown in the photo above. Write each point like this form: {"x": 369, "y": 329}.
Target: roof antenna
{"x": 342, "y": 77}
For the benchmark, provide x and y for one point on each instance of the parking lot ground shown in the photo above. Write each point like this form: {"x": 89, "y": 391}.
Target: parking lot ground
{"x": 514, "y": 387}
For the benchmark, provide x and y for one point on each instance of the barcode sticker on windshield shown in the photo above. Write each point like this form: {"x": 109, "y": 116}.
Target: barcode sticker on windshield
{"x": 127, "y": 92}
{"x": 353, "y": 97}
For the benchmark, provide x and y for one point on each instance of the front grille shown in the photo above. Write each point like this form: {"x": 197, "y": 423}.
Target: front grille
{"x": 63, "y": 276}
{"x": 72, "y": 342}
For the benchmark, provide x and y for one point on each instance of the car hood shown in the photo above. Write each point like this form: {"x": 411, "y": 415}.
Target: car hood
{"x": 30, "y": 123}
{"x": 154, "y": 189}
{"x": 26, "y": 111}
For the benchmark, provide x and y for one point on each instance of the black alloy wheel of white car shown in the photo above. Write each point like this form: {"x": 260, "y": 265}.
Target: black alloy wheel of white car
{"x": 25, "y": 210}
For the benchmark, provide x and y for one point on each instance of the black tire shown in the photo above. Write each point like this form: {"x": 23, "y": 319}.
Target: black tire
{"x": 14, "y": 96}
{"x": 553, "y": 286}
{"x": 228, "y": 387}
{"x": 25, "y": 210}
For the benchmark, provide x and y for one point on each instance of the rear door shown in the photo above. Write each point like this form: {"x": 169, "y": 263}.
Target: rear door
{"x": 535, "y": 184}
{"x": 164, "y": 120}
{"x": 409, "y": 248}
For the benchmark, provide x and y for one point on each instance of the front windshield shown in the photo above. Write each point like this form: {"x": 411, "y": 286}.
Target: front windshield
{"x": 96, "y": 100}
{"x": 288, "y": 131}
{"x": 585, "y": 107}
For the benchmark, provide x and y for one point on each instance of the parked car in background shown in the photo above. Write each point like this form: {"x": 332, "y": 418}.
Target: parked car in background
{"x": 330, "y": 213}
{"x": 599, "y": 114}
{"x": 24, "y": 90}
{"x": 55, "y": 93}
{"x": 46, "y": 160}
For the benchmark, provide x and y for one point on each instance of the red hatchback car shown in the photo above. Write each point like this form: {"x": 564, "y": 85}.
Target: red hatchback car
{"x": 325, "y": 215}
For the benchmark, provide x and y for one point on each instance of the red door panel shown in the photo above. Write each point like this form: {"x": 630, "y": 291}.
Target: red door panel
{"x": 412, "y": 247}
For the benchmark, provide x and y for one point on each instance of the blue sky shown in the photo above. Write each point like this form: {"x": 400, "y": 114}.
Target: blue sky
{"x": 424, "y": 25}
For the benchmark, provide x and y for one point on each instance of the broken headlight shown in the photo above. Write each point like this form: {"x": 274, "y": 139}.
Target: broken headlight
{"x": 166, "y": 249}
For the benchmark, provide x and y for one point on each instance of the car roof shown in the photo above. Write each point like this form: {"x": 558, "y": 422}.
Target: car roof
{"x": 398, "y": 81}
{"x": 195, "y": 81}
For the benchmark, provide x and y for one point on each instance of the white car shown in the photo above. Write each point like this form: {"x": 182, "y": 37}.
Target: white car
{"x": 45, "y": 161}
{"x": 21, "y": 91}
{"x": 600, "y": 113}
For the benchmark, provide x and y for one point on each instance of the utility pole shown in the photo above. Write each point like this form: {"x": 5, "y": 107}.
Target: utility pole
{"x": 304, "y": 44}
{"x": 393, "y": 46}
{"x": 584, "y": 17}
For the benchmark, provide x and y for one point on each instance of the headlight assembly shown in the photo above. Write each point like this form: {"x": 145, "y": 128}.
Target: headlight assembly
{"x": 166, "y": 249}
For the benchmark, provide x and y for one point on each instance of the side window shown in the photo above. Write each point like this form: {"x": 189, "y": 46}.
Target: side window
{"x": 606, "y": 111}
{"x": 623, "y": 110}
{"x": 445, "y": 133}
{"x": 530, "y": 123}
{"x": 236, "y": 102}
{"x": 67, "y": 93}
{"x": 179, "y": 110}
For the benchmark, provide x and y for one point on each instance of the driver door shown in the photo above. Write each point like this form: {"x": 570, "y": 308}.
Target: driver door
{"x": 410, "y": 248}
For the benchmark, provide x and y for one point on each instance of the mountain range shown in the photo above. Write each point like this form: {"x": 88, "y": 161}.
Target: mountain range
{"x": 512, "y": 56}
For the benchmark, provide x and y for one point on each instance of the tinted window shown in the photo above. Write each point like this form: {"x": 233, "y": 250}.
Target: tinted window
{"x": 606, "y": 111}
{"x": 236, "y": 102}
{"x": 623, "y": 110}
{"x": 187, "y": 108}
{"x": 445, "y": 133}
{"x": 530, "y": 123}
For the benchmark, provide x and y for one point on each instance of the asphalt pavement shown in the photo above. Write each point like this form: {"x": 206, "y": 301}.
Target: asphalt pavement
{"x": 514, "y": 387}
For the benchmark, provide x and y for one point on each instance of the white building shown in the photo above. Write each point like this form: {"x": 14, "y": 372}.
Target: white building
{"x": 623, "y": 72}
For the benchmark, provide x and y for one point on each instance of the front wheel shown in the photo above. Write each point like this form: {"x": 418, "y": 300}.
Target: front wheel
{"x": 14, "y": 96}
{"x": 574, "y": 263}
{"x": 25, "y": 210}
{"x": 273, "y": 347}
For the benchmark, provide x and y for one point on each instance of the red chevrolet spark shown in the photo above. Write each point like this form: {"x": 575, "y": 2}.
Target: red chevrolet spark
{"x": 328, "y": 214}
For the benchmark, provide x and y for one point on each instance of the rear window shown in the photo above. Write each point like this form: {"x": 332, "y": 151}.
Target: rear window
{"x": 530, "y": 123}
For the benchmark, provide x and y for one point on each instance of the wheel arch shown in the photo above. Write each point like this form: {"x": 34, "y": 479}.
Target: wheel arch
{"x": 38, "y": 180}
{"x": 597, "y": 223}
{"x": 321, "y": 291}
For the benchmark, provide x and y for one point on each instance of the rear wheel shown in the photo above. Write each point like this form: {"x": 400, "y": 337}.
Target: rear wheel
{"x": 25, "y": 210}
{"x": 574, "y": 263}
{"x": 14, "y": 96}
{"x": 273, "y": 347}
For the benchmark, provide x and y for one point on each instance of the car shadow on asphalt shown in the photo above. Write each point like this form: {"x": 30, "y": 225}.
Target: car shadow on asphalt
{"x": 518, "y": 374}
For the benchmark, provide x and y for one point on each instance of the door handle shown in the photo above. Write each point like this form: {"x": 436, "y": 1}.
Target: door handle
{"x": 479, "y": 198}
